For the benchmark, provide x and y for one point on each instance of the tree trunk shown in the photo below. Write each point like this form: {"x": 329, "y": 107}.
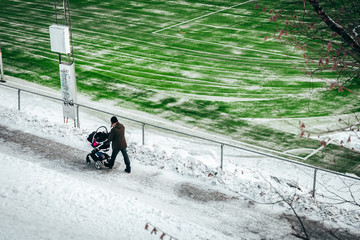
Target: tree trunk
{"x": 337, "y": 28}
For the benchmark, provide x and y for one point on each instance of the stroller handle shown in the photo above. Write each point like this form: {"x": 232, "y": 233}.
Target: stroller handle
{"x": 97, "y": 132}
{"x": 102, "y": 127}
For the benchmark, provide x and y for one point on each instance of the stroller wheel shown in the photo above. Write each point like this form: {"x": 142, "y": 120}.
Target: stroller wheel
{"x": 88, "y": 161}
{"x": 98, "y": 164}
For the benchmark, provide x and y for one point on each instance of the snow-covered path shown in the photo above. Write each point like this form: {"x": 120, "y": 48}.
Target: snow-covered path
{"x": 48, "y": 192}
{"x": 54, "y": 193}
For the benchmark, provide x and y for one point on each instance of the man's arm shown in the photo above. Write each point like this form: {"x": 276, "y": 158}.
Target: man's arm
{"x": 111, "y": 135}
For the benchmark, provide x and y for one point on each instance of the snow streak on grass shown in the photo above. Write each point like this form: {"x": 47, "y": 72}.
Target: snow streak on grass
{"x": 203, "y": 62}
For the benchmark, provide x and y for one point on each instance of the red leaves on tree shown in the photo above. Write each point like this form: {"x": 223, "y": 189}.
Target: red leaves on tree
{"x": 340, "y": 88}
{"x": 273, "y": 18}
{"x": 323, "y": 143}
{"x": 264, "y": 10}
{"x": 281, "y": 33}
{"x": 349, "y": 139}
{"x": 256, "y": 6}
{"x": 302, "y": 126}
{"x": 295, "y": 17}
{"x": 162, "y": 236}
{"x": 320, "y": 62}
{"x": 329, "y": 46}
{"x": 334, "y": 65}
{"x": 302, "y": 134}
{"x": 345, "y": 54}
{"x": 154, "y": 231}
{"x": 266, "y": 37}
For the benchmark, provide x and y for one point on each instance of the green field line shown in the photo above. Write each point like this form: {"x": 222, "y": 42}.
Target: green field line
{"x": 206, "y": 15}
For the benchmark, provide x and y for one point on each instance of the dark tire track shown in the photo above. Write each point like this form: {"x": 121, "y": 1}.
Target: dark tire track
{"x": 43, "y": 149}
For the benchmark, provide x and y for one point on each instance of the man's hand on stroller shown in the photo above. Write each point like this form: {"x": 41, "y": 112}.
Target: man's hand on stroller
{"x": 95, "y": 150}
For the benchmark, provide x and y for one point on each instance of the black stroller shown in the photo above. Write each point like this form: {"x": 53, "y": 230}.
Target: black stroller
{"x": 100, "y": 143}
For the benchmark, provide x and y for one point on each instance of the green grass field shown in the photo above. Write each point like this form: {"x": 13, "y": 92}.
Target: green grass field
{"x": 204, "y": 63}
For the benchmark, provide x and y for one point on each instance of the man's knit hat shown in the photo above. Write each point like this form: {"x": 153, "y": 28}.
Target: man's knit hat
{"x": 114, "y": 120}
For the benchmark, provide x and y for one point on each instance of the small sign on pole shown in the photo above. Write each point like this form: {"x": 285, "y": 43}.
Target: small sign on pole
{"x": 68, "y": 90}
{"x": 60, "y": 39}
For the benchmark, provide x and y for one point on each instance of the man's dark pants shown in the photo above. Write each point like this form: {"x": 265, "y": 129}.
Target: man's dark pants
{"x": 126, "y": 158}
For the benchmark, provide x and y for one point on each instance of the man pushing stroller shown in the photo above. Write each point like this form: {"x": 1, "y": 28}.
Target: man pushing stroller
{"x": 118, "y": 143}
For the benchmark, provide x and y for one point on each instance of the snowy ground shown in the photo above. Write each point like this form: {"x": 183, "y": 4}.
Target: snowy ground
{"x": 48, "y": 192}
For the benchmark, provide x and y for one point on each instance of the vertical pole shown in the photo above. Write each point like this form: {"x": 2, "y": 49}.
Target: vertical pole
{"x": 77, "y": 116}
{"x": 143, "y": 134}
{"x": 70, "y": 28}
{"x": 55, "y": 11}
{"x": 314, "y": 186}
{"x": 65, "y": 7}
{"x": 65, "y": 16}
{"x": 19, "y": 99}
{"x": 1, "y": 67}
{"x": 222, "y": 156}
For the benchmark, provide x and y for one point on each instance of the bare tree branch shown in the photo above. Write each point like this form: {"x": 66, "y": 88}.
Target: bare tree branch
{"x": 336, "y": 27}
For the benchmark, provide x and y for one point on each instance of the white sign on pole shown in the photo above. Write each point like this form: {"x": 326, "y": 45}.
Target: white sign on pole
{"x": 68, "y": 89}
{"x": 60, "y": 38}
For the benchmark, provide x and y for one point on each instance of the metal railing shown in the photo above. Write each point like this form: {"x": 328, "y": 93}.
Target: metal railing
{"x": 221, "y": 145}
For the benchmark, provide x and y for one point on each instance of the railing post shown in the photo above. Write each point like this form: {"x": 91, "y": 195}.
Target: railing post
{"x": 143, "y": 134}
{"x": 222, "y": 156}
{"x": 19, "y": 99}
{"x": 314, "y": 186}
{"x": 77, "y": 116}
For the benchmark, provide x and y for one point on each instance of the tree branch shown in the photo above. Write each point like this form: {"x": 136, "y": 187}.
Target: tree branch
{"x": 336, "y": 27}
